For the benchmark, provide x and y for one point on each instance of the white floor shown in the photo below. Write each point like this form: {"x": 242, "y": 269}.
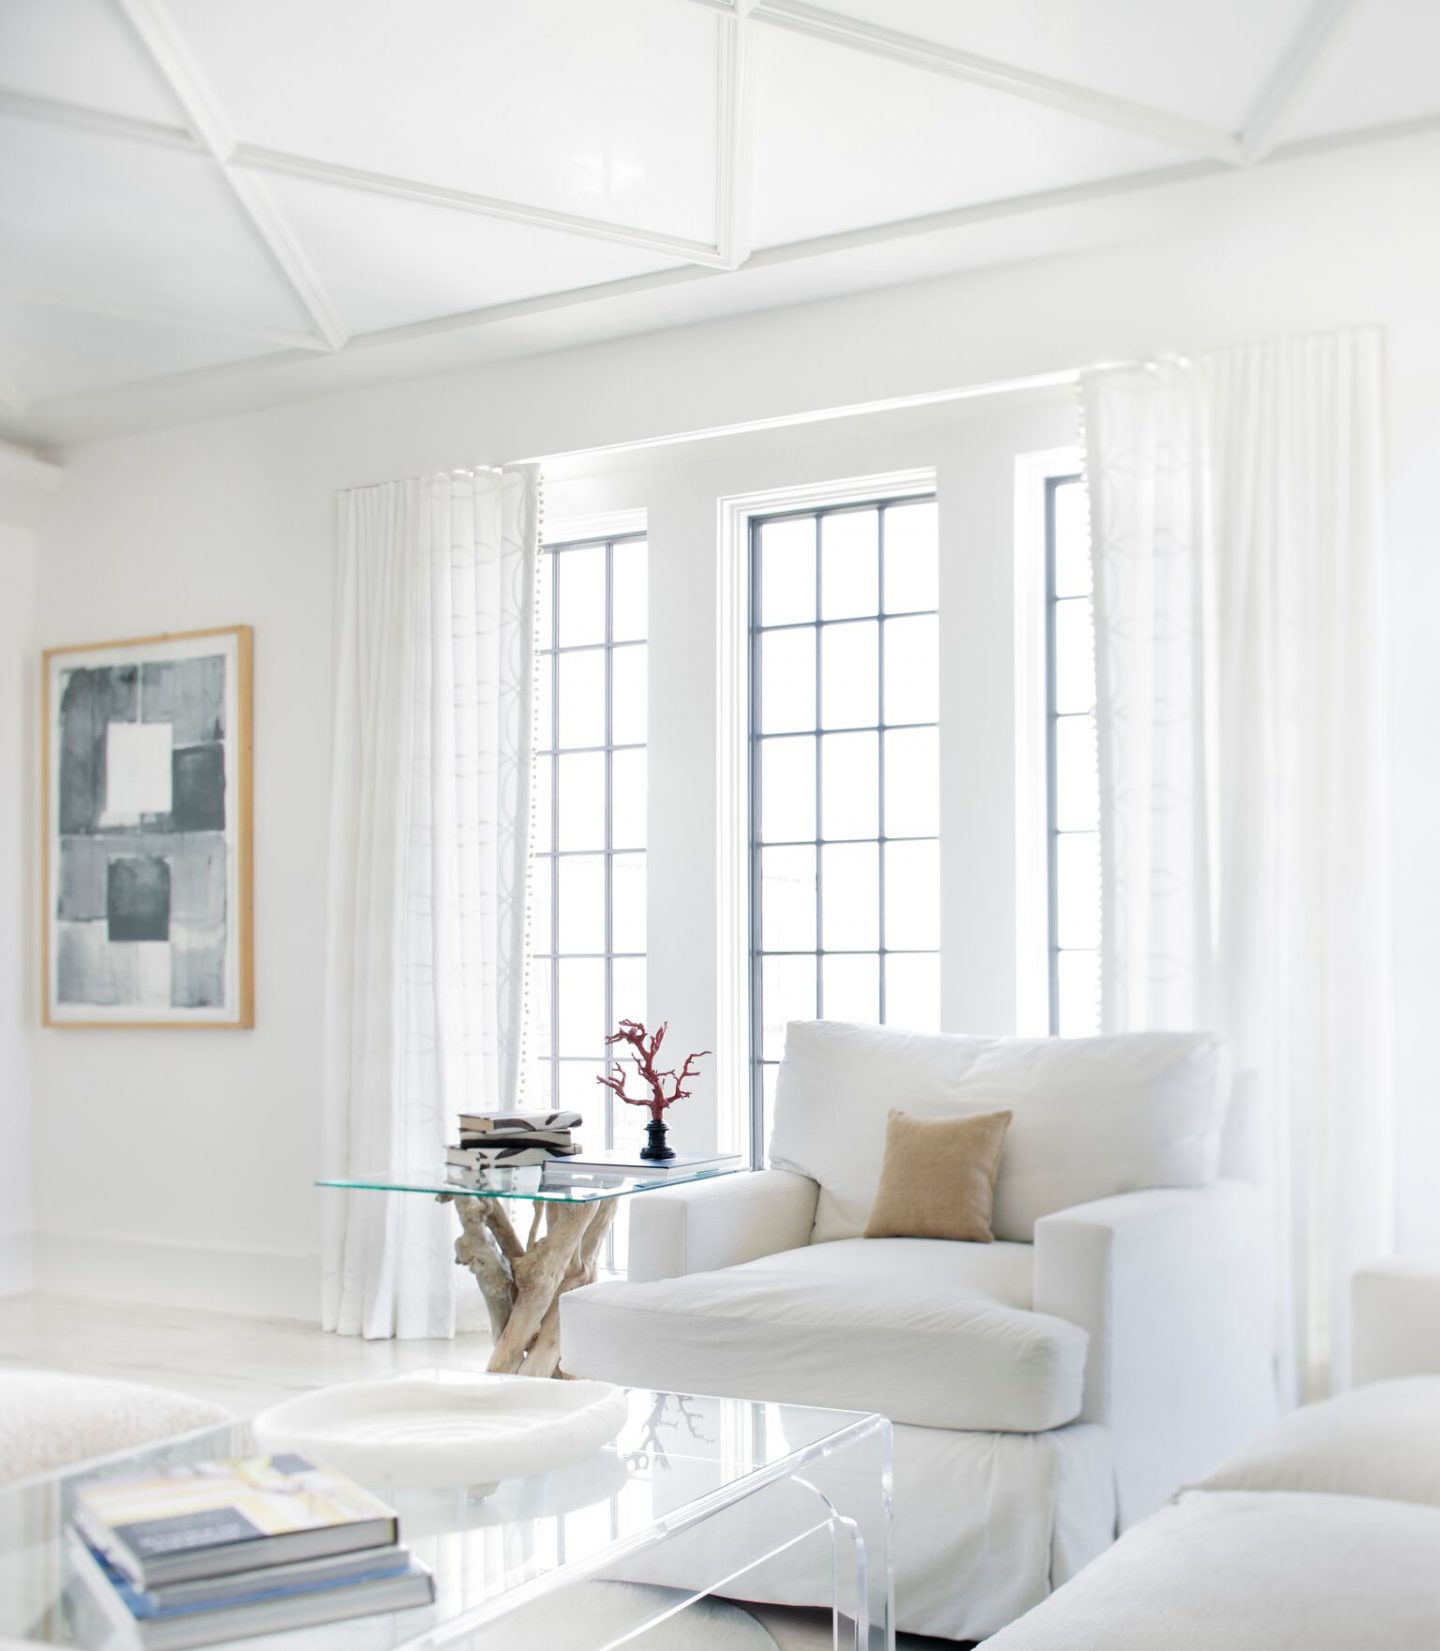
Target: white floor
{"x": 248, "y": 1363}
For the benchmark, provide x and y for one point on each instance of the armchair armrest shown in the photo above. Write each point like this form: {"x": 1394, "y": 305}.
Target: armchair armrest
{"x": 1395, "y": 1319}
{"x": 1174, "y": 1287}
{"x": 720, "y": 1223}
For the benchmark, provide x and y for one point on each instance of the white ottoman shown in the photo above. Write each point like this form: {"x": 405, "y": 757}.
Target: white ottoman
{"x": 48, "y": 1420}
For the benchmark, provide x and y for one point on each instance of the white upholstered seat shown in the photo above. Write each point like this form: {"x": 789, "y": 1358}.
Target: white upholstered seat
{"x": 928, "y": 1332}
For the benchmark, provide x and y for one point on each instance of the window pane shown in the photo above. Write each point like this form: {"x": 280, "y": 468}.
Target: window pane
{"x": 628, "y": 800}
{"x": 912, "y": 557}
{"x": 1077, "y": 780}
{"x": 582, "y": 800}
{"x": 911, "y": 676}
{"x": 851, "y": 881}
{"x": 577, "y": 1091}
{"x": 627, "y": 717}
{"x": 787, "y": 681}
{"x": 582, "y": 1005}
{"x": 912, "y": 783}
{"x": 912, "y": 991}
{"x": 787, "y": 789}
{"x": 849, "y": 564}
{"x": 540, "y": 968}
{"x": 849, "y": 683}
{"x": 545, "y": 601}
{"x": 787, "y": 571}
{"x": 912, "y": 896}
{"x": 850, "y": 785}
{"x": 852, "y": 988}
{"x": 1073, "y": 575}
{"x": 787, "y": 899}
{"x": 1079, "y": 994}
{"x": 540, "y": 904}
{"x": 1077, "y": 917}
{"x": 768, "y": 1076}
{"x": 627, "y": 988}
{"x": 582, "y": 697}
{"x": 580, "y": 585}
{"x": 787, "y": 992}
{"x": 582, "y": 903}
{"x": 628, "y": 590}
{"x": 1074, "y": 656}
{"x": 544, "y": 782}
{"x": 627, "y": 920}
{"x": 544, "y": 703}
{"x": 541, "y": 1091}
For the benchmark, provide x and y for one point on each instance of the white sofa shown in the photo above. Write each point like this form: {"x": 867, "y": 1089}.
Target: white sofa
{"x": 1322, "y": 1534}
{"x": 1113, "y": 1343}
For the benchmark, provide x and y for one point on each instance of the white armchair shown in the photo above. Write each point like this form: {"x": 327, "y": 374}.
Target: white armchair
{"x": 1113, "y": 1342}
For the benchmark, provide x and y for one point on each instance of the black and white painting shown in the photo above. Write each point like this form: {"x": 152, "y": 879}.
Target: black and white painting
{"x": 147, "y": 832}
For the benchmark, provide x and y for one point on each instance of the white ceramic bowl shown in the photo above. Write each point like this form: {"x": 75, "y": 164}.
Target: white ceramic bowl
{"x": 447, "y": 1430}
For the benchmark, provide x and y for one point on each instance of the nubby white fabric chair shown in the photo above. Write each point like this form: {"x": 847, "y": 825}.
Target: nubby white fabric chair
{"x": 1046, "y": 1389}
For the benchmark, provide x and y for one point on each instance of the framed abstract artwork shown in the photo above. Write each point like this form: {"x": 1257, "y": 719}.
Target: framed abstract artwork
{"x": 147, "y": 880}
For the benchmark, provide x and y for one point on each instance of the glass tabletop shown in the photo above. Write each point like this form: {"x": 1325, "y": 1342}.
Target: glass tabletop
{"x": 587, "y": 1186}
{"x": 691, "y": 1490}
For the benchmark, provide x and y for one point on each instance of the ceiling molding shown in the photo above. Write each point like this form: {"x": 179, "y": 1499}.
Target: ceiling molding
{"x": 157, "y": 36}
{"x": 255, "y": 157}
{"x": 735, "y": 136}
{"x": 13, "y": 399}
{"x": 1292, "y": 76}
{"x": 119, "y": 310}
{"x": 54, "y": 111}
{"x": 820, "y": 24}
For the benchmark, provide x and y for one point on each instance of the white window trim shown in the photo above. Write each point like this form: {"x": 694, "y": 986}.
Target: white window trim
{"x": 732, "y": 746}
{"x": 1032, "y": 804}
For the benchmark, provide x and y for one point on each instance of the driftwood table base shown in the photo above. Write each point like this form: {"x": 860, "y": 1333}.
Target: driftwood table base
{"x": 522, "y": 1282}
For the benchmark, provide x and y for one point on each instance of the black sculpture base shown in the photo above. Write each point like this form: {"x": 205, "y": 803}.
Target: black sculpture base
{"x": 656, "y": 1148}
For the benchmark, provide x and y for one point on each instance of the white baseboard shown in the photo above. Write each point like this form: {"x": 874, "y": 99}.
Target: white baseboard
{"x": 17, "y": 1263}
{"x": 175, "y": 1275}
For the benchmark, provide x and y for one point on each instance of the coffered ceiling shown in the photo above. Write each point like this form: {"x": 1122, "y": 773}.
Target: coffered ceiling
{"x": 201, "y": 187}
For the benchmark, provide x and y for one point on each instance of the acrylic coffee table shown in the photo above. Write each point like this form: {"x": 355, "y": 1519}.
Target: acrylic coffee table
{"x": 695, "y": 1497}
{"x": 522, "y": 1280}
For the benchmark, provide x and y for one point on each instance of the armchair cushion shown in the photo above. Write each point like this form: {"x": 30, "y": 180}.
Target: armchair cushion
{"x": 926, "y": 1331}
{"x": 1091, "y": 1116}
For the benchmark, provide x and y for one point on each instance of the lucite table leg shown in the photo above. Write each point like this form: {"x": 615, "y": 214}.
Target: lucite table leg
{"x": 522, "y": 1283}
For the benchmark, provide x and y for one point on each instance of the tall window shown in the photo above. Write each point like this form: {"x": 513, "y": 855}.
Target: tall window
{"x": 588, "y": 929}
{"x": 1073, "y": 776}
{"x": 844, "y": 773}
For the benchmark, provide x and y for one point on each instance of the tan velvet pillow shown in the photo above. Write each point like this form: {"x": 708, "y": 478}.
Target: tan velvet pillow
{"x": 938, "y": 1177}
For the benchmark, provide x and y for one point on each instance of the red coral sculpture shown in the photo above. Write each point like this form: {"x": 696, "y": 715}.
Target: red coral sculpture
{"x": 646, "y": 1047}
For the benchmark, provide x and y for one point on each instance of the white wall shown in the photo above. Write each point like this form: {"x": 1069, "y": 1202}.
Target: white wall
{"x": 26, "y": 486}
{"x": 200, "y": 1147}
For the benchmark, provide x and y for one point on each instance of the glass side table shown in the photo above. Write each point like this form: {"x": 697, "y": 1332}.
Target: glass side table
{"x": 522, "y": 1280}
{"x": 695, "y": 1497}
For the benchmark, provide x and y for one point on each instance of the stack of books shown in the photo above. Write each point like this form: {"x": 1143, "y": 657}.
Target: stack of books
{"x": 491, "y": 1141}
{"x": 222, "y": 1550}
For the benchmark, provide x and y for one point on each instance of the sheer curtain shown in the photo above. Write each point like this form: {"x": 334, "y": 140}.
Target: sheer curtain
{"x": 1240, "y": 624}
{"x": 429, "y": 855}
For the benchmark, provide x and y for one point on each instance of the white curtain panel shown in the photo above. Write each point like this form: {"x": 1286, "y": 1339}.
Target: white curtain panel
{"x": 429, "y": 862}
{"x": 1237, "y": 518}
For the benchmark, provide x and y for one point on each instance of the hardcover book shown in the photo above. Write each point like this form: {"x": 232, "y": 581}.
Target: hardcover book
{"x": 215, "y": 1518}
{"x": 517, "y": 1123}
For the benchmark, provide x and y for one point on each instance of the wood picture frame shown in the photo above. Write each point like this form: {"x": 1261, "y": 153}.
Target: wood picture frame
{"x": 147, "y": 832}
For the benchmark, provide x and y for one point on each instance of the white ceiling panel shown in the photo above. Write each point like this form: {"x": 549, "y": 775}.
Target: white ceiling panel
{"x": 84, "y": 215}
{"x": 1383, "y": 66}
{"x": 845, "y": 140}
{"x": 387, "y": 262}
{"x": 80, "y": 51}
{"x": 1204, "y": 59}
{"x": 58, "y": 352}
{"x": 603, "y": 108}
